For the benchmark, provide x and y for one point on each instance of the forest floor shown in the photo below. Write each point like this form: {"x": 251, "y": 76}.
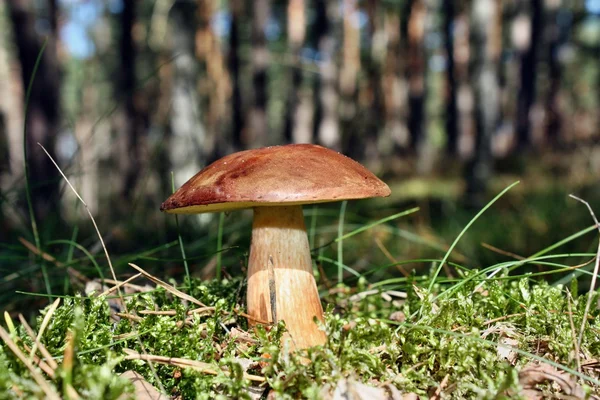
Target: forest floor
{"x": 504, "y": 337}
{"x": 526, "y": 327}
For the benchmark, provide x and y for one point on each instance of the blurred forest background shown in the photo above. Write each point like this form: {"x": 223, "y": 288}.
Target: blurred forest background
{"x": 447, "y": 101}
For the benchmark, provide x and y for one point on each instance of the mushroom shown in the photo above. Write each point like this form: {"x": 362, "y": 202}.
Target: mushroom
{"x": 276, "y": 181}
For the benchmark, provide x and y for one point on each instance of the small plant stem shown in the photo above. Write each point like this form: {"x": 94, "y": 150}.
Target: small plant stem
{"x": 185, "y": 263}
{"x": 340, "y": 247}
{"x": 572, "y": 324}
{"x": 67, "y": 364}
{"x": 34, "y": 227}
{"x": 219, "y": 245}
{"x": 311, "y": 236}
{"x": 594, "y": 276}
{"x": 313, "y": 227}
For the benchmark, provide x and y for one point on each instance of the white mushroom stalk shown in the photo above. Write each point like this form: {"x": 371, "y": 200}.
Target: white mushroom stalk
{"x": 281, "y": 285}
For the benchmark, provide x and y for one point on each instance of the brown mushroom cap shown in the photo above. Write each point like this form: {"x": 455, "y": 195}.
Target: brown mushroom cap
{"x": 279, "y": 175}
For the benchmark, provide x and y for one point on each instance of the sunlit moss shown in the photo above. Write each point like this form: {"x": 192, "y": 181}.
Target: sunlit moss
{"x": 363, "y": 343}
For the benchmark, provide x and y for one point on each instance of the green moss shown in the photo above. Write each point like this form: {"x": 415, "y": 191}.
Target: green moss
{"x": 362, "y": 344}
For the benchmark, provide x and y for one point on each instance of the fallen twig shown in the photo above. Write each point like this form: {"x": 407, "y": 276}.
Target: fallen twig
{"x": 184, "y": 363}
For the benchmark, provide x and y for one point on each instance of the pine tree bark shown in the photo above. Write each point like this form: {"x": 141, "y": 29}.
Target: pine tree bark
{"x": 42, "y": 121}
{"x": 556, "y": 37}
{"x": 348, "y": 80}
{"x": 486, "y": 36}
{"x": 451, "y": 85}
{"x": 528, "y": 76}
{"x": 394, "y": 85}
{"x": 372, "y": 93}
{"x": 215, "y": 86}
{"x": 233, "y": 62}
{"x": 327, "y": 123}
{"x": 257, "y": 134}
{"x": 294, "y": 129}
{"x": 416, "y": 71}
{"x": 464, "y": 96}
{"x": 135, "y": 119}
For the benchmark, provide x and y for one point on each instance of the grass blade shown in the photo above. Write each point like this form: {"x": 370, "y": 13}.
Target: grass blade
{"x": 219, "y": 246}
{"x": 181, "y": 248}
{"x": 340, "y": 247}
{"x": 460, "y": 235}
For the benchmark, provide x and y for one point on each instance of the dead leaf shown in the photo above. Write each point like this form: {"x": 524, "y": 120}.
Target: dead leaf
{"x": 506, "y": 352}
{"x": 246, "y": 363}
{"x": 241, "y": 336}
{"x": 255, "y": 392}
{"x": 440, "y": 389}
{"x": 398, "y": 316}
{"x": 533, "y": 374}
{"x": 347, "y": 389}
{"x": 143, "y": 390}
{"x": 508, "y": 338}
{"x": 591, "y": 364}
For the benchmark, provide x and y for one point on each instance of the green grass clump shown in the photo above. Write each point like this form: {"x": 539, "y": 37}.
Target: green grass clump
{"x": 413, "y": 343}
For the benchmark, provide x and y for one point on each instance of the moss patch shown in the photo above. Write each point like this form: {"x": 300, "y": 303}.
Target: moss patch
{"x": 411, "y": 341}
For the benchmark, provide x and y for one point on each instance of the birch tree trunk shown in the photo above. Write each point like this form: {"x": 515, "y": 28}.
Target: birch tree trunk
{"x": 296, "y": 128}
{"x": 11, "y": 112}
{"x": 464, "y": 96}
{"x": 328, "y": 129}
{"x": 187, "y": 130}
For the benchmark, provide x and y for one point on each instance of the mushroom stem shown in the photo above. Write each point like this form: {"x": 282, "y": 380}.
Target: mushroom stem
{"x": 281, "y": 285}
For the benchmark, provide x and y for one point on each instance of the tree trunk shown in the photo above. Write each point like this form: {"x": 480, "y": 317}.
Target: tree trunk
{"x": 134, "y": 119}
{"x": 416, "y": 71}
{"x": 328, "y": 130}
{"x": 43, "y": 110}
{"x": 451, "y": 85}
{"x": 528, "y": 75}
{"x": 371, "y": 97}
{"x": 187, "y": 129}
{"x": 349, "y": 68}
{"x": 486, "y": 36}
{"x": 87, "y": 135}
{"x": 4, "y": 166}
{"x": 394, "y": 84}
{"x": 465, "y": 97}
{"x": 257, "y": 134}
{"x": 233, "y": 61}
{"x": 294, "y": 129}
{"x": 553, "y": 110}
{"x": 215, "y": 86}
{"x": 11, "y": 114}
